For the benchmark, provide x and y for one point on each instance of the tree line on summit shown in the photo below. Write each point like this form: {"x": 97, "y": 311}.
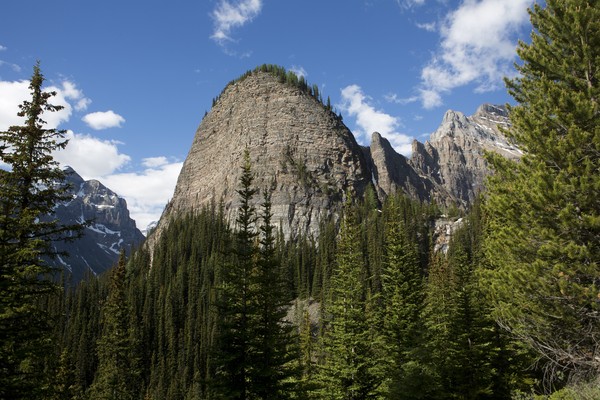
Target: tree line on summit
{"x": 288, "y": 77}
{"x": 219, "y": 312}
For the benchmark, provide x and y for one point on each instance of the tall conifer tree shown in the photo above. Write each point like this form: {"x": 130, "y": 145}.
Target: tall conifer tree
{"x": 543, "y": 242}
{"x": 30, "y": 188}
{"x": 351, "y": 369}
{"x": 117, "y": 375}
{"x": 403, "y": 297}
{"x": 236, "y": 305}
{"x": 271, "y": 336}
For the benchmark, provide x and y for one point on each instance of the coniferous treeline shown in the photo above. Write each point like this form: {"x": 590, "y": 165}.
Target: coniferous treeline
{"x": 198, "y": 318}
{"x": 212, "y": 312}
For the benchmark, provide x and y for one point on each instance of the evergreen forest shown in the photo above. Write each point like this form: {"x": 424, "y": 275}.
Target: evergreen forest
{"x": 220, "y": 309}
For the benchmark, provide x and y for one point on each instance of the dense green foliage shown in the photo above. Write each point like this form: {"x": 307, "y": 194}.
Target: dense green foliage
{"x": 235, "y": 354}
{"x": 349, "y": 365}
{"x": 252, "y": 352}
{"x": 30, "y": 187}
{"x": 403, "y": 282}
{"x": 118, "y": 362}
{"x": 208, "y": 312}
{"x": 543, "y": 236}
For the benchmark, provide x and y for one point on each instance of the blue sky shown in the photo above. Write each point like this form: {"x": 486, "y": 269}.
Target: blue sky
{"x": 136, "y": 77}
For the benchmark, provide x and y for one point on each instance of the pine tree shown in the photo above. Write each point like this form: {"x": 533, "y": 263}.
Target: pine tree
{"x": 543, "y": 238}
{"x": 466, "y": 355}
{"x": 118, "y": 372}
{"x": 236, "y": 305}
{"x": 271, "y": 336}
{"x": 402, "y": 300}
{"x": 305, "y": 360}
{"x": 64, "y": 381}
{"x": 350, "y": 369}
{"x": 455, "y": 332}
{"x": 31, "y": 187}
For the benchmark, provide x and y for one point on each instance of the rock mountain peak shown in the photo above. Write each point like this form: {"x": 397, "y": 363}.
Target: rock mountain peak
{"x": 110, "y": 228}
{"x": 302, "y": 151}
{"x": 297, "y": 146}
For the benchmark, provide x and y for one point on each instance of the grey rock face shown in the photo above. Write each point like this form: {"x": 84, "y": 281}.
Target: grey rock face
{"x": 450, "y": 167}
{"x": 443, "y": 230}
{"x": 453, "y": 158}
{"x": 310, "y": 160}
{"x": 111, "y": 229}
{"x": 299, "y": 149}
{"x": 392, "y": 172}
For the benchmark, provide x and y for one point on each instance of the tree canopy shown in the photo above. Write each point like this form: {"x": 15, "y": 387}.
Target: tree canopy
{"x": 543, "y": 238}
{"x": 31, "y": 186}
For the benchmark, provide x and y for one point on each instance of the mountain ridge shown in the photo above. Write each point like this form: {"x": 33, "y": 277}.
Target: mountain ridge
{"x": 296, "y": 145}
{"x": 302, "y": 151}
{"x": 108, "y": 228}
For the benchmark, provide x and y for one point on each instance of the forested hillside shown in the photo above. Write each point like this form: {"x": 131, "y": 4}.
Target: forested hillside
{"x": 199, "y": 317}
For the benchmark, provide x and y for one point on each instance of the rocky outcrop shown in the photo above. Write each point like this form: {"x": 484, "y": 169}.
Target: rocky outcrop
{"x": 309, "y": 159}
{"x": 450, "y": 167}
{"x": 453, "y": 159}
{"x": 444, "y": 229}
{"x": 391, "y": 172}
{"x": 110, "y": 228}
{"x": 298, "y": 148}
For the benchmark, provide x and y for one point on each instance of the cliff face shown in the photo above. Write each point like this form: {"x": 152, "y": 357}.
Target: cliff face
{"x": 111, "y": 229}
{"x": 298, "y": 148}
{"x": 392, "y": 172}
{"x": 450, "y": 167}
{"x": 453, "y": 158}
{"x": 310, "y": 160}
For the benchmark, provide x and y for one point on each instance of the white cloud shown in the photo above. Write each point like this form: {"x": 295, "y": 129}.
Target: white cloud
{"x": 103, "y": 120}
{"x": 370, "y": 120}
{"x": 430, "y": 98}
{"x": 299, "y": 71}
{"x": 14, "y": 67}
{"x": 478, "y": 47}
{"x": 393, "y": 98}
{"x": 228, "y": 16}
{"x": 91, "y": 157}
{"x": 13, "y": 93}
{"x": 71, "y": 92}
{"x": 427, "y": 26}
{"x": 147, "y": 192}
{"x": 153, "y": 162}
{"x": 2, "y": 48}
{"x": 410, "y": 3}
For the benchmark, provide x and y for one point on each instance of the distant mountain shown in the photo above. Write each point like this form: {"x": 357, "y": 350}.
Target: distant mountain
{"x": 111, "y": 228}
{"x": 453, "y": 157}
{"x": 149, "y": 228}
{"x": 310, "y": 160}
{"x": 450, "y": 167}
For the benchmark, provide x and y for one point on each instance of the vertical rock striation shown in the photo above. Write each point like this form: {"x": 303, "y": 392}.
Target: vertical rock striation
{"x": 454, "y": 156}
{"x": 309, "y": 159}
{"x": 298, "y": 148}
